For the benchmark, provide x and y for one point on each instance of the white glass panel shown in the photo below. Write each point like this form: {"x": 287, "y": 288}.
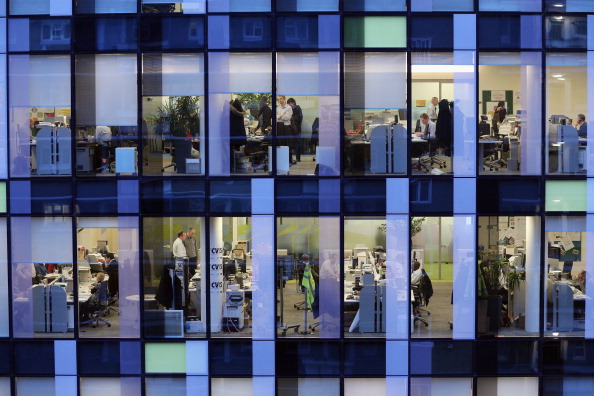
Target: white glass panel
{"x": 329, "y": 287}
{"x": 115, "y": 90}
{"x": 196, "y": 358}
{"x": 463, "y": 113}
{"x": 589, "y": 281}
{"x": 441, "y": 386}
{"x": 318, "y": 387}
{"x": 129, "y": 272}
{"x": 3, "y": 282}
{"x": 531, "y": 103}
{"x": 231, "y": 386}
{"x": 109, "y": 386}
{"x": 396, "y": 386}
{"x": 165, "y": 387}
{"x": 397, "y": 277}
{"x": 39, "y": 80}
{"x": 263, "y": 286}
{"x": 385, "y": 81}
{"x": 361, "y": 386}
{"x": 506, "y": 386}
{"x": 250, "y": 73}
{"x": 35, "y": 387}
{"x": 65, "y": 357}
{"x": 297, "y": 74}
{"x": 464, "y": 277}
{"x": 183, "y": 75}
{"x": 5, "y": 386}
{"x": 263, "y": 361}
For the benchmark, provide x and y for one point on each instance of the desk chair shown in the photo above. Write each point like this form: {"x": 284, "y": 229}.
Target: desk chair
{"x": 96, "y": 267}
{"x": 101, "y": 308}
{"x": 431, "y": 159}
{"x": 417, "y": 304}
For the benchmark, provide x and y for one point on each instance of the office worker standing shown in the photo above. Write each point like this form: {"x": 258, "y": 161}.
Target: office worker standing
{"x": 178, "y": 249}
{"x": 264, "y": 117}
{"x": 432, "y": 109}
{"x": 112, "y": 271}
{"x": 191, "y": 245}
{"x": 296, "y": 121}
{"x": 103, "y": 138}
{"x": 582, "y": 126}
{"x": 284, "y": 132}
{"x": 498, "y": 116}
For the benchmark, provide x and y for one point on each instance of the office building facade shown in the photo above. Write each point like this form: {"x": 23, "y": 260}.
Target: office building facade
{"x": 296, "y": 197}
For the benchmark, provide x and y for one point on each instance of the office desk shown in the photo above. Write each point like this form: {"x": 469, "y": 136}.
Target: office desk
{"x": 359, "y": 156}
{"x": 564, "y": 299}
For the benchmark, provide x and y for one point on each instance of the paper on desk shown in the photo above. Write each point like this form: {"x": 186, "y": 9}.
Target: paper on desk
{"x": 566, "y": 242}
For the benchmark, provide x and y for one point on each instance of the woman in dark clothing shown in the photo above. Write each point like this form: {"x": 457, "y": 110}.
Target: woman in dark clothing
{"x": 498, "y": 116}
{"x": 237, "y": 127}
{"x": 264, "y": 118}
{"x": 444, "y": 126}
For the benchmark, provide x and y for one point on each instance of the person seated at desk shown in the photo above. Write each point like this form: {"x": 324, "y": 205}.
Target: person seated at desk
{"x": 415, "y": 277}
{"x": 103, "y": 138}
{"x": 87, "y": 307}
{"x": 582, "y": 126}
{"x": 580, "y": 282}
{"x": 427, "y": 127}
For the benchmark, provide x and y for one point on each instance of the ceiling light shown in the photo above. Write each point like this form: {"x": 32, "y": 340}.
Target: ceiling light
{"x": 442, "y": 68}
{"x": 561, "y": 79}
{"x": 558, "y": 5}
{"x": 557, "y": 75}
{"x": 558, "y": 18}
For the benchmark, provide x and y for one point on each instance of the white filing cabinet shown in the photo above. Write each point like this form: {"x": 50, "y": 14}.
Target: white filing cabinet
{"x": 126, "y": 160}
{"x": 282, "y": 160}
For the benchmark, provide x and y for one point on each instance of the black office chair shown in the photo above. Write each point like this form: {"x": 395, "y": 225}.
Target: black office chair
{"x": 100, "y": 307}
{"x": 417, "y": 304}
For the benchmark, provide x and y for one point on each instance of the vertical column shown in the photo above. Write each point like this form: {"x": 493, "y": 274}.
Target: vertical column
{"x": 590, "y": 182}
{"x": 65, "y": 367}
{"x": 4, "y": 328}
{"x": 263, "y": 294}
{"x": 532, "y": 269}
{"x": 128, "y": 279}
{"x": 464, "y": 250}
{"x": 531, "y": 102}
{"x": 397, "y": 286}
{"x": 3, "y": 103}
{"x": 196, "y": 368}
{"x": 215, "y": 265}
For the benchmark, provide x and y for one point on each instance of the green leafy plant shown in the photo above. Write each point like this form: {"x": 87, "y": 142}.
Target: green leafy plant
{"x": 252, "y": 100}
{"x": 178, "y": 115}
{"x": 415, "y": 225}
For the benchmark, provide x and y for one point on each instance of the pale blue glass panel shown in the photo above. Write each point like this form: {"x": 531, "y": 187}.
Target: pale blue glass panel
{"x": 510, "y": 5}
{"x": 238, "y": 6}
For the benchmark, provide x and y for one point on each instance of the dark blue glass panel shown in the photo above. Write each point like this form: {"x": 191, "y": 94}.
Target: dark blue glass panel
{"x": 298, "y": 358}
{"x": 230, "y": 357}
{"x": 48, "y": 34}
{"x": 99, "y": 354}
{"x": 54, "y": 197}
{"x": 431, "y": 195}
{"x": 249, "y": 32}
{"x": 430, "y": 32}
{"x": 297, "y": 196}
{"x": 34, "y": 357}
{"x": 566, "y": 31}
{"x": 508, "y": 196}
{"x": 364, "y": 196}
{"x": 499, "y": 31}
{"x": 105, "y": 34}
{"x": 297, "y": 31}
{"x": 307, "y": 5}
{"x": 231, "y": 196}
{"x": 172, "y": 197}
{"x": 506, "y": 357}
{"x": 365, "y": 358}
{"x": 171, "y": 32}
{"x": 5, "y": 362}
{"x": 96, "y": 196}
{"x": 441, "y": 357}
{"x": 568, "y": 357}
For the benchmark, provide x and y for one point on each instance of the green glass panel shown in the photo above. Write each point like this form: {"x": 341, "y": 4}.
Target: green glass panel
{"x": 375, "y": 32}
{"x": 2, "y": 197}
{"x": 566, "y": 196}
{"x": 165, "y": 357}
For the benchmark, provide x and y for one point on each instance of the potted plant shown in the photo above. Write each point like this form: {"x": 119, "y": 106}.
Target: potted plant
{"x": 179, "y": 119}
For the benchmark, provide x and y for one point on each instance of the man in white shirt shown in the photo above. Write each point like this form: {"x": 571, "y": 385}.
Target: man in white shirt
{"x": 427, "y": 127}
{"x": 178, "y": 249}
{"x": 103, "y": 138}
{"x": 432, "y": 110}
{"x": 284, "y": 131}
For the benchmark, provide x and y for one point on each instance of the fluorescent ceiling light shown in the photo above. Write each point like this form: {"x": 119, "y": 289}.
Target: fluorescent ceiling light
{"x": 558, "y": 18}
{"x": 442, "y": 68}
{"x": 561, "y": 79}
{"x": 557, "y": 75}
{"x": 558, "y": 5}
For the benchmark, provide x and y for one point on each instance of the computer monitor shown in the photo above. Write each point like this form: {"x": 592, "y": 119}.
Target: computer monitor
{"x": 484, "y": 129}
{"x": 418, "y": 126}
{"x": 402, "y": 114}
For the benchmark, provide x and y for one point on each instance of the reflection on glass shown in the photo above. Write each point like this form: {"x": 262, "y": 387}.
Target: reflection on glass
{"x": 566, "y": 31}
{"x": 506, "y": 261}
{"x": 567, "y": 111}
{"x": 505, "y": 386}
{"x": 178, "y": 286}
{"x": 565, "y": 282}
{"x": 432, "y": 276}
{"x": 364, "y": 262}
{"x": 165, "y": 7}
{"x": 309, "y": 386}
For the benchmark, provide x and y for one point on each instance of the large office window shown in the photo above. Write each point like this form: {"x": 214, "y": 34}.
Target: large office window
{"x": 566, "y": 110}
{"x": 107, "y": 116}
{"x": 42, "y": 271}
{"x": 309, "y": 83}
{"x": 173, "y": 114}
{"x": 308, "y": 262}
{"x": 108, "y": 269}
{"x": 240, "y": 89}
{"x": 375, "y": 113}
{"x": 565, "y": 295}
{"x": 39, "y": 115}
{"x": 181, "y": 6}
{"x": 509, "y": 128}
{"x": 508, "y": 276}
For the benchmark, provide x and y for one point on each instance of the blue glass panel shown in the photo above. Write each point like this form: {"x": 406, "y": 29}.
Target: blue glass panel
{"x": 508, "y": 196}
{"x": 97, "y": 196}
{"x": 566, "y": 31}
{"x": 365, "y": 358}
{"x": 433, "y": 32}
{"x": 569, "y": 6}
{"x": 298, "y": 358}
{"x": 441, "y": 357}
{"x": 230, "y": 357}
{"x": 568, "y": 357}
{"x": 249, "y": 32}
{"x": 231, "y": 196}
{"x": 171, "y": 32}
{"x": 307, "y": 5}
{"x": 43, "y": 34}
{"x": 104, "y": 354}
{"x": 506, "y": 357}
{"x": 105, "y": 34}
{"x": 34, "y": 357}
{"x": 297, "y": 31}
{"x": 511, "y": 31}
{"x": 172, "y": 197}
{"x": 5, "y": 363}
{"x": 297, "y": 196}
{"x": 51, "y": 197}
{"x": 364, "y": 196}
{"x": 431, "y": 195}
{"x": 375, "y": 5}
